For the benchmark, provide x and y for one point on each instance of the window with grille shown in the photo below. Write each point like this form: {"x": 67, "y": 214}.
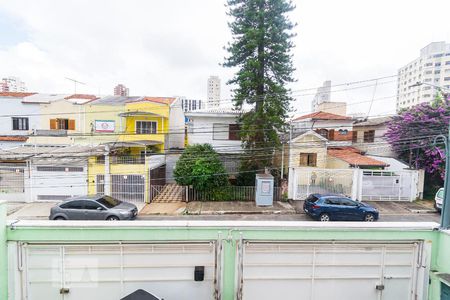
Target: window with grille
{"x": 369, "y": 136}
{"x": 146, "y": 127}
{"x": 308, "y": 159}
{"x": 233, "y": 132}
{"x": 20, "y": 123}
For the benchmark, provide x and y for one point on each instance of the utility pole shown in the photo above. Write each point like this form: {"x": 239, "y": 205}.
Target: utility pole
{"x": 445, "y": 212}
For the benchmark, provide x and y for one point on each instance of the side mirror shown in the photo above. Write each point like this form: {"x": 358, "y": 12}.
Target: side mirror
{"x": 99, "y": 208}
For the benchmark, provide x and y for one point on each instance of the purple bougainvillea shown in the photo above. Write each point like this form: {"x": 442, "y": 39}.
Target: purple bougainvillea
{"x": 412, "y": 132}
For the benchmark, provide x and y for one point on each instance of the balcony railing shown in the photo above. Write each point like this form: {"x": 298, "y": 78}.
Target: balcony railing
{"x": 121, "y": 160}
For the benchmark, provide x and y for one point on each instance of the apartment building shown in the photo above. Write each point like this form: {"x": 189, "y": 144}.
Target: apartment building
{"x": 12, "y": 84}
{"x": 191, "y": 104}
{"x": 213, "y": 91}
{"x": 121, "y": 90}
{"x": 431, "y": 69}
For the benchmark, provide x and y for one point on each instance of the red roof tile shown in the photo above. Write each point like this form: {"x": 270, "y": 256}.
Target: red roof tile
{"x": 15, "y": 94}
{"x": 354, "y": 157}
{"x": 81, "y": 96}
{"x": 321, "y": 115}
{"x": 8, "y": 138}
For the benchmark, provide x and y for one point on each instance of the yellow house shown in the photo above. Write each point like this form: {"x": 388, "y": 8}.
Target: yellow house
{"x": 133, "y": 131}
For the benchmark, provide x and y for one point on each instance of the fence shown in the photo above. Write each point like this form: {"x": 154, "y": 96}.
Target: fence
{"x": 373, "y": 185}
{"x": 12, "y": 180}
{"x": 228, "y": 193}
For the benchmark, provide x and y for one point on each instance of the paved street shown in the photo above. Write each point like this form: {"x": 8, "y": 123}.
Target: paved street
{"x": 428, "y": 217}
{"x": 389, "y": 212}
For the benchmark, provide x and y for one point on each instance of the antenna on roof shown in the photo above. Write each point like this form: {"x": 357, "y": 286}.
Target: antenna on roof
{"x": 75, "y": 83}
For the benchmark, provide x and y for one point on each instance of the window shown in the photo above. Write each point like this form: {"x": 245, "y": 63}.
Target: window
{"x": 308, "y": 159}
{"x": 62, "y": 124}
{"x": 76, "y": 204}
{"x": 447, "y": 62}
{"x": 323, "y": 132}
{"x": 91, "y": 205}
{"x": 369, "y": 136}
{"x": 446, "y": 78}
{"x": 146, "y": 127}
{"x": 343, "y": 131}
{"x": 437, "y": 72}
{"x": 437, "y": 64}
{"x": 20, "y": 123}
{"x": 428, "y": 64}
{"x": 109, "y": 202}
{"x": 347, "y": 202}
{"x": 233, "y": 132}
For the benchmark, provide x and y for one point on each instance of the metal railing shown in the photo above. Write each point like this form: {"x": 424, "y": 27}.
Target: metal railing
{"x": 121, "y": 160}
{"x": 227, "y": 193}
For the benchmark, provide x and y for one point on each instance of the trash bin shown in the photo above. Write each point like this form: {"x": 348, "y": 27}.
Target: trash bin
{"x": 264, "y": 190}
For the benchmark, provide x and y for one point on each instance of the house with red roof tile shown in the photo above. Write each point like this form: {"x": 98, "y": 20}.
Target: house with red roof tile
{"x": 337, "y": 129}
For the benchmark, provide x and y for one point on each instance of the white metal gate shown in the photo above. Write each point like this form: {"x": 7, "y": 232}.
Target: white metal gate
{"x": 319, "y": 271}
{"x": 387, "y": 185}
{"x": 323, "y": 181}
{"x": 129, "y": 187}
{"x": 12, "y": 182}
{"x": 112, "y": 271}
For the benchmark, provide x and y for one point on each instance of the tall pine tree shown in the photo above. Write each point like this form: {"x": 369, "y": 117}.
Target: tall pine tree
{"x": 261, "y": 51}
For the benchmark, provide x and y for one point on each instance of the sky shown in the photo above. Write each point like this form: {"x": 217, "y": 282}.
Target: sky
{"x": 171, "y": 47}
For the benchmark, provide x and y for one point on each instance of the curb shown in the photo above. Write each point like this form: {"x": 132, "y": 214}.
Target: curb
{"x": 423, "y": 211}
{"x": 236, "y": 212}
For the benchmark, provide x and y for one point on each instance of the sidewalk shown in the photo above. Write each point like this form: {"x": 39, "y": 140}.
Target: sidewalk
{"x": 236, "y": 207}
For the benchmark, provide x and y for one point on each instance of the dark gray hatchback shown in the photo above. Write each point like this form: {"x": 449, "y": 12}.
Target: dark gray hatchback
{"x": 98, "y": 207}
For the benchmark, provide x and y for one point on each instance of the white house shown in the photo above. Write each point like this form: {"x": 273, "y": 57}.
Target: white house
{"x": 218, "y": 127}
{"x": 42, "y": 173}
{"x": 368, "y": 136}
{"x": 336, "y": 129}
{"x": 20, "y": 118}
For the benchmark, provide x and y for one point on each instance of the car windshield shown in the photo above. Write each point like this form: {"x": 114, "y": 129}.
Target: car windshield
{"x": 108, "y": 201}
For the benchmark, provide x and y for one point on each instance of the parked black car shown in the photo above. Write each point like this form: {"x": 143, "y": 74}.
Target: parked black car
{"x": 98, "y": 207}
{"x": 332, "y": 207}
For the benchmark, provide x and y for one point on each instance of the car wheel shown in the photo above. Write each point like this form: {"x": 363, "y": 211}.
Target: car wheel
{"x": 369, "y": 218}
{"x": 59, "y": 219}
{"x": 324, "y": 218}
{"x": 113, "y": 218}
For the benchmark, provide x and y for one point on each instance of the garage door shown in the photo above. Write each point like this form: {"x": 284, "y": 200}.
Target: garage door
{"x": 74, "y": 272}
{"x": 328, "y": 271}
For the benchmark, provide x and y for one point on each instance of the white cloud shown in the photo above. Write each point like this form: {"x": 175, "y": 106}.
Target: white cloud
{"x": 171, "y": 47}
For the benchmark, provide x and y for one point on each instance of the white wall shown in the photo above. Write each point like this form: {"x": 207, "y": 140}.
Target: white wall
{"x": 14, "y": 106}
{"x": 57, "y": 183}
{"x": 201, "y": 132}
{"x": 176, "y": 126}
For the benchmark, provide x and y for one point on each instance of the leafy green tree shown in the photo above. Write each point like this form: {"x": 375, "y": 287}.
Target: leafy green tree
{"x": 200, "y": 166}
{"x": 261, "y": 52}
